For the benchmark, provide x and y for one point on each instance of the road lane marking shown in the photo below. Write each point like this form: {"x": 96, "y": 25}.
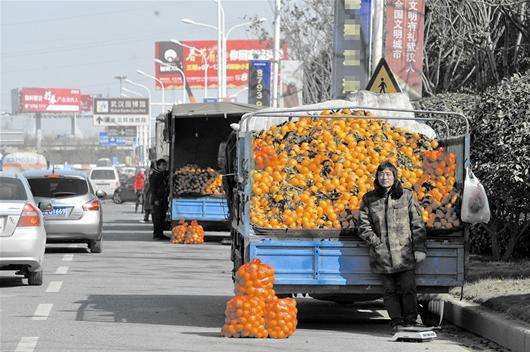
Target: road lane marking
{"x": 68, "y": 257}
{"x": 43, "y": 311}
{"x": 62, "y": 270}
{"x": 54, "y": 286}
{"x": 27, "y": 344}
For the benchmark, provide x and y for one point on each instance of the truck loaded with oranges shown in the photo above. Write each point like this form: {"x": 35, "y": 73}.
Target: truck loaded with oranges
{"x": 300, "y": 175}
{"x": 193, "y": 133}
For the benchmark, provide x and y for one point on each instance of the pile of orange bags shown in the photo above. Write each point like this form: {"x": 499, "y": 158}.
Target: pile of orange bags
{"x": 188, "y": 234}
{"x": 256, "y": 311}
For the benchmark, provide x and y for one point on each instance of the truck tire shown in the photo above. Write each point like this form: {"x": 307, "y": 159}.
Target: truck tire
{"x": 95, "y": 246}
{"x": 427, "y": 318}
{"x": 35, "y": 278}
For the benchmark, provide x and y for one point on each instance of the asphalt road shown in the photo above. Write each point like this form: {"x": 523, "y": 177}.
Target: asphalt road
{"x": 145, "y": 295}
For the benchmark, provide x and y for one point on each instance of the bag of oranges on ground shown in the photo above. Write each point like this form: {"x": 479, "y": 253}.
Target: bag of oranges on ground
{"x": 244, "y": 317}
{"x": 194, "y": 233}
{"x": 179, "y": 232}
{"x": 280, "y": 317}
{"x": 255, "y": 279}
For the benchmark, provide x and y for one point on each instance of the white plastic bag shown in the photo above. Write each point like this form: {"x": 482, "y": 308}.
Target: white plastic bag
{"x": 475, "y": 207}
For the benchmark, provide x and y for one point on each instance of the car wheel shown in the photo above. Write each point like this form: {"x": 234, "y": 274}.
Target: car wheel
{"x": 35, "y": 278}
{"x": 95, "y": 246}
{"x": 116, "y": 198}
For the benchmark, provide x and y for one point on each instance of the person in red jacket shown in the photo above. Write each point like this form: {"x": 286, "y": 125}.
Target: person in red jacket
{"x": 138, "y": 185}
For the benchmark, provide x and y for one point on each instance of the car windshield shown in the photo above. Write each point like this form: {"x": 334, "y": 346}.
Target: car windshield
{"x": 12, "y": 189}
{"x": 102, "y": 175}
{"x": 58, "y": 187}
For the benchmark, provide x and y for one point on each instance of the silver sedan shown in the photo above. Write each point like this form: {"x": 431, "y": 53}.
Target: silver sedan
{"x": 22, "y": 233}
{"x": 71, "y": 209}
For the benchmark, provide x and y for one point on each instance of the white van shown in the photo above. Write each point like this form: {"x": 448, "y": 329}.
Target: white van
{"x": 105, "y": 179}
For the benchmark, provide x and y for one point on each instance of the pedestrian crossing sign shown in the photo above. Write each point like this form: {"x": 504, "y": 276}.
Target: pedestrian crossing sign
{"x": 383, "y": 80}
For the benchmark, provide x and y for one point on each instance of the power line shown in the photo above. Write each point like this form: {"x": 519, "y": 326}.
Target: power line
{"x": 80, "y": 64}
{"x": 57, "y": 19}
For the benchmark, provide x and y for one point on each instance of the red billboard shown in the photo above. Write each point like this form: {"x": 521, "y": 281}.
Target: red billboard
{"x": 87, "y": 103}
{"x": 404, "y": 43}
{"x": 49, "y": 100}
{"x": 238, "y": 52}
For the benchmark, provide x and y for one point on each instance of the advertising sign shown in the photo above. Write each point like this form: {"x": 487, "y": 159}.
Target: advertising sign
{"x": 121, "y": 111}
{"x": 404, "y": 43}
{"x": 292, "y": 83}
{"x": 121, "y": 131}
{"x": 49, "y": 100}
{"x": 239, "y": 52}
{"x": 351, "y": 50}
{"x": 259, "y": 87}
{"x": 87, "y": 103}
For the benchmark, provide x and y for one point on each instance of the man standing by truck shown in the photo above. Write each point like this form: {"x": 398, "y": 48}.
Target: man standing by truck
{"x": 159, "y": 188}
{"x": 391, "y": 224}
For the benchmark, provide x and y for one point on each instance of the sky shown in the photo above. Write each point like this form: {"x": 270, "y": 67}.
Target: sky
{"x": 84, "y": 44}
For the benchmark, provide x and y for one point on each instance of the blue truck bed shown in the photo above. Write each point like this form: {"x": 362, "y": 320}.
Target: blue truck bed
{"x": 201, "y": 209}
{"x": 331, "y": 262}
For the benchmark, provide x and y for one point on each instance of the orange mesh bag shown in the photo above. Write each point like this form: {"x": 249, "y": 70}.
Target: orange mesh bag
{"x": 244, "y": 317}
{"x": 255, "y": 279}
{"x": 179, "y": 232}
{"x": 280, "y": 317}
{"x": 194, "y": 234}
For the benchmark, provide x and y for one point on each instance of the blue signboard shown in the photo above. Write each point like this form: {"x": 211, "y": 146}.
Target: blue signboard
{"x": 106, "y": 141}
{"x": 210, "y": 100}
{"x": 259, "y": 82}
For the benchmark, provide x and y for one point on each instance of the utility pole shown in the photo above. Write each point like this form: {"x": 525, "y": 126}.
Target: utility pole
{"x": 276, "y": 62}
{"x": 121, "y": 78}
{"x": 219, "y": 51}
{"x": 378, "y": 17}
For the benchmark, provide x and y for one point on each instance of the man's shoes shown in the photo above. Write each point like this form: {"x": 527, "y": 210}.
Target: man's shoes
{"x": 397, "y": 328}
{"x": 143, "y": 221}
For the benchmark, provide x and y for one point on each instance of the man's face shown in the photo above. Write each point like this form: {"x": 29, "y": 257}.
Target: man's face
{"x": 385, "y": 178}
{"x": 163, "y": 166}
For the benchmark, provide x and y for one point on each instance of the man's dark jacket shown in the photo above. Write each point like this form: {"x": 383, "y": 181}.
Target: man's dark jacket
{"x": 159, "y": 186}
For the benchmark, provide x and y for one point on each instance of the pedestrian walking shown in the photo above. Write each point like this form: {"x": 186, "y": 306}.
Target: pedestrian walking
{"x": 159, "y": 188}
{"x": 138, "y": 185}
{"x": 391, "y": 224}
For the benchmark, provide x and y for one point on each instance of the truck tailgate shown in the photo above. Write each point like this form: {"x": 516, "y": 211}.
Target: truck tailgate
{"x": 343, "y": 263}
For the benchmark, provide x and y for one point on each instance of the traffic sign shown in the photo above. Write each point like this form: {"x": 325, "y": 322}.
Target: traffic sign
{"x": 383, "y": 80}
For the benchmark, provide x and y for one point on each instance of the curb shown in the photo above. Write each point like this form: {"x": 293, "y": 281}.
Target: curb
{"x": 484, "y": 322}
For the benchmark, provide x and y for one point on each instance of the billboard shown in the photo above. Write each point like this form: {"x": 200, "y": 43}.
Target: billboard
{"x": 239, "y": 52}
{"x": 121, "y": 111}
{"x": 404, "y": 43}
{"x": 49, "y": 100}
{"x": 291, "y": 83}
{"x": 259, "y": 86}
{"x": 87, "y": 103}
{"x": 351, "y": 46}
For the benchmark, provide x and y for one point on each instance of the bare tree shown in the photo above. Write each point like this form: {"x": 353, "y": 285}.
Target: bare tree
{"x": 307, "y": 30}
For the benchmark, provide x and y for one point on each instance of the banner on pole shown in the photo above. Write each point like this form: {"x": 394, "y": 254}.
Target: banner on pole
{"x": 259, "y": 88}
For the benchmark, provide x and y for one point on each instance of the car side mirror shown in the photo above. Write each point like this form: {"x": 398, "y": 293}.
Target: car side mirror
{"x": 100, "y": 194}
{"x": 45, "y": 206}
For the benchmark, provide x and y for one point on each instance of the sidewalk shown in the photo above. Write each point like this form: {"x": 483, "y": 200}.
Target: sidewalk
{"x": 484, "y": 322}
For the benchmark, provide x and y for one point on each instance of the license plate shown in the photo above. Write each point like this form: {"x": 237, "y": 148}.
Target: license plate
{"x": 56, "y": 212}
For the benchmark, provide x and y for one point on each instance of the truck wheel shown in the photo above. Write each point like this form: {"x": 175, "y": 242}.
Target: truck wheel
{"x": 35, "y": 278}
{"x": 116, "y": 198}
{"x": 427, "y": 318}
{"x": 95, "y": 246}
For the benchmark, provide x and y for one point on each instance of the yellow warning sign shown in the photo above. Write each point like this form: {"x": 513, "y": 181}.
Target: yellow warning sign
{"x": 383, "y": 80}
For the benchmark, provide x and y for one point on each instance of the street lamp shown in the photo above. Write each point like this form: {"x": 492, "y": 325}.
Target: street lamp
{"x": 225, "y": 37}
{"x": 120, "y": 78}
{"x": 205, "y": 61}
{"x": 148, "y": 139}
{"x": 158, "y": 61}
{"x": 142, "y": 73}
{"x": 131, "y": 91}
{"x": 221, "y": 44}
